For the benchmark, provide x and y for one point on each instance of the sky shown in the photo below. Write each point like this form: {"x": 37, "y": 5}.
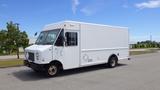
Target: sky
{"x": 142, "y": 17}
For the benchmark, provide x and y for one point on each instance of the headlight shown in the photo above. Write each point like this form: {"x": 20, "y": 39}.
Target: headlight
{"x": 37, "y": 55}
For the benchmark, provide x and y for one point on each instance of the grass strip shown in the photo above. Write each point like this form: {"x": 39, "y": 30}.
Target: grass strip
{"x": 143, "y": 52}
{"x": 11, "y": 63}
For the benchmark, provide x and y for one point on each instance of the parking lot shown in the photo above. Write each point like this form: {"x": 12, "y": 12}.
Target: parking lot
{"x": 142, "y": 72}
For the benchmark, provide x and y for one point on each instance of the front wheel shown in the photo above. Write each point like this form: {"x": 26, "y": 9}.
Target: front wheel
{"x": 52, "y": 70}
{"x": 113, "y": 61}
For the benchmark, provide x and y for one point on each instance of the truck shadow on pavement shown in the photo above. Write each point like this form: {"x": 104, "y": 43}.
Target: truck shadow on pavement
{"x": 30, "y": 75}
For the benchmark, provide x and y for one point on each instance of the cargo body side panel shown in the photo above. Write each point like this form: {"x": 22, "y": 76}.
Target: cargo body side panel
{"x": 99, "y": 42}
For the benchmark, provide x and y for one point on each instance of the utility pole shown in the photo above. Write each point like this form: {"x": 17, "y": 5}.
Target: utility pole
{"x": 151, "y": 38}
{"x": 17, "y": 26}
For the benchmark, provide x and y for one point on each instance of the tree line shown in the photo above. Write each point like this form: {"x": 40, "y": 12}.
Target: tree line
{"x": 146, "y": 44}
{"x": 12, "y": 38}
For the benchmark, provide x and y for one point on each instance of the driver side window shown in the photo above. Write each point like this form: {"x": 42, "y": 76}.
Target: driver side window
{"x": 72, "y": 38}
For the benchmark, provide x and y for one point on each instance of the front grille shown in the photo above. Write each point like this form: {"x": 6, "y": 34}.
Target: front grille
{"x": 31, "y": 56}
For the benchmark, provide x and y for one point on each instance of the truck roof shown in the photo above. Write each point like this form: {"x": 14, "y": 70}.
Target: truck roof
{"x": 63, "y": 23}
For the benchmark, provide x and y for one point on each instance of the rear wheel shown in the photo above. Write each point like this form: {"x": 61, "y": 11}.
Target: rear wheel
{"x": 112, "y": 62}
{"x": 52, "y": 70}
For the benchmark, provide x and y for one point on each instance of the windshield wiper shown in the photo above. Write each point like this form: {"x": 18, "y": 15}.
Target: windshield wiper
{"x": 47, "y": 43}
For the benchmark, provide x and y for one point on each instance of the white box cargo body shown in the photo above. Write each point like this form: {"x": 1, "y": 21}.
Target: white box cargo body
{"x": 78, "y": 44}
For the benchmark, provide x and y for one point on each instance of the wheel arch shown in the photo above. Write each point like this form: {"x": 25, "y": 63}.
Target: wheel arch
{"x": 112, "y": 55}
{"x": 57, "y": 62}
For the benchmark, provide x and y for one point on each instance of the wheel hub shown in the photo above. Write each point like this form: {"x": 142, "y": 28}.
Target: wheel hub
{"x": 52, "y": 70}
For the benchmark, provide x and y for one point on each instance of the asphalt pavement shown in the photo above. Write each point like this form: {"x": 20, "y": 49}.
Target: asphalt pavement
{"x": 142, "y": 72}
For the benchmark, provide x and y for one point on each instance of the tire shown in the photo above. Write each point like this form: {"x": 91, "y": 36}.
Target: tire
{"x": 112, "y": 62}
{"x": 52, "y": 70}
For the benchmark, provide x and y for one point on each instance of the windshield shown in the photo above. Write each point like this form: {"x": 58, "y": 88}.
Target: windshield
{"x": 47, "y": 37}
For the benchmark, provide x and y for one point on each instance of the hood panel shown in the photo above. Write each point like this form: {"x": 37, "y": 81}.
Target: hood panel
{"x": 38, "y": 47}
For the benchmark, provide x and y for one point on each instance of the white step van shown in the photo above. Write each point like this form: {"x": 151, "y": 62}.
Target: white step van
{"x": 71, "y": 44}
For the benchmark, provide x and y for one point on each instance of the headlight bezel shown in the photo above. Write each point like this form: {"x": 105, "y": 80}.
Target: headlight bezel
{"x": 37, "y": 56}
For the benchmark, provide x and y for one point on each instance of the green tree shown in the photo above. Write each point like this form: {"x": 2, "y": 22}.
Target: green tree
{"x": 16, "y": 38}
{"x": 3, "y": 39}
{"x": 147, "y": 44}
{"x": 24, "y": 39}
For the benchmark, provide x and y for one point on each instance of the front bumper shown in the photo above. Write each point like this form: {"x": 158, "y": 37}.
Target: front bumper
{"x": 39, "y": 67}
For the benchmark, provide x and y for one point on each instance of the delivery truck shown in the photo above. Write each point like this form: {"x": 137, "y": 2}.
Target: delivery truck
{"x": 71, "y": 44}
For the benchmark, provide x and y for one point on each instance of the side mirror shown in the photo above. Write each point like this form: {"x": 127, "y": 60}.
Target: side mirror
{"x": 35, "y": 34}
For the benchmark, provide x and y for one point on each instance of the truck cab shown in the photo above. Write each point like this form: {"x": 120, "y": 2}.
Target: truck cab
{"x": 55, "y": 49}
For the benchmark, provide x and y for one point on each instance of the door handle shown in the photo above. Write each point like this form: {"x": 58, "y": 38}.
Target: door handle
{"x": 50, "y": 49}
